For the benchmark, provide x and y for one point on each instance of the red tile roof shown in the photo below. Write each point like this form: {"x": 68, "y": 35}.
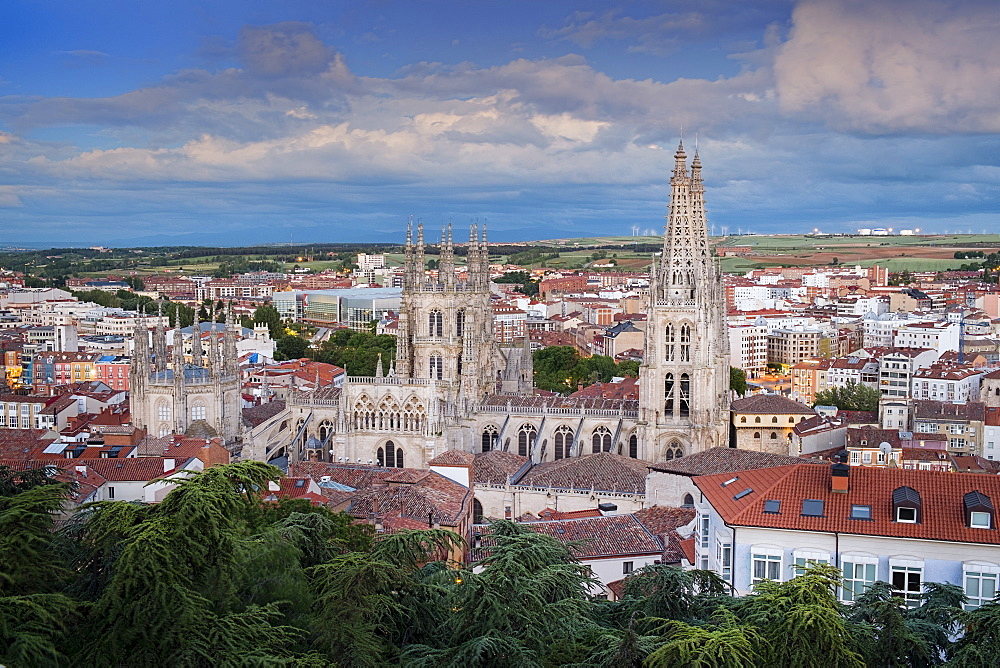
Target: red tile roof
{"x": 453, "y": 458}
{"x": 723, "y": 460}
{"x": 496, "y": 467}
{"x": 941, "y": 495}
{"x": 591, "y": 537}
{"x": 604, "y": 471}
{"x": 770, "y": 403}
{"x": 133, "y": 469}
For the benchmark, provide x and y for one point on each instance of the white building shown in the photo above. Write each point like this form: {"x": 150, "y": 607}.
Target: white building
{"x": 904, "y": 527}
{"x": 748, "y": 349}
{"x": 945, "y": 382}
{"x": 937, "y": 336}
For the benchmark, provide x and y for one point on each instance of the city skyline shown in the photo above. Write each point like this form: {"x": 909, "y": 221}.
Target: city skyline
{"x": 230, "y": 122}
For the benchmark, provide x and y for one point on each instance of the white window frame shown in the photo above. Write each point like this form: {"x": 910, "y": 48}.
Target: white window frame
{"x": 900, "y": 519}
{"x": 980, "y": 515}
{"x": 974, "y": 575}
{"x": 863, "y": 574}
{"x": 704, "y": 538}
{"x": 908, "y": 567}
{"x": 802, "y": 557}
{"x": 772, "y": 559}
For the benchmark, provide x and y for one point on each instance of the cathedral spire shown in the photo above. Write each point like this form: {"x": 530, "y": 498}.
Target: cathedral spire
{"x": 686, "y": 258}
{"x": 160, "y": 340}
{"x": 408, "y": 254}
{"x": 196, "y": 353}
{"x": 418, "y": 256}
{"x": 472, "y": 256}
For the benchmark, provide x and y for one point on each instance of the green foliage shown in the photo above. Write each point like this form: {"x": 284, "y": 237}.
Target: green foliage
{"x": 266, "y": 314}
{"x": 215, "y": 576}
{"x": 358, "y": 352}
{"x": 851, "y": 397}
{"x": 727, "y": 646}
{"x": 529, "y": 287}
{"x": 291, "y": 347}
{"x": 561, "y": 369}
{"x": 738, "y": 381}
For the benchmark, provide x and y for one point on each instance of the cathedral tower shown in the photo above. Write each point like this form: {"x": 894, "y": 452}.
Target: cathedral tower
{"x": 684, "y": 381}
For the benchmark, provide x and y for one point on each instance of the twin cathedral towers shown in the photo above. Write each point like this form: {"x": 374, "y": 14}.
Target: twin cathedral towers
{"x": 453, "y": 387}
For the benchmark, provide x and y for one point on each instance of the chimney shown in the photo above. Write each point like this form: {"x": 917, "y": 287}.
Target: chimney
{"x": 168, "y": 464}
{"x": 840, "y": 476}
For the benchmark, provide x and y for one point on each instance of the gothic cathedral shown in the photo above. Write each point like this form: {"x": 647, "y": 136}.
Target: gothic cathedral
{"x": 452, "y": 387}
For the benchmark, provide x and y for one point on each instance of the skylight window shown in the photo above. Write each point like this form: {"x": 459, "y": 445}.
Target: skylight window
{"x": 812, "y": 508}
{"x": 861, "y": 512}
{"x": 772, "y": 506}
{"x": 740, "y": 495}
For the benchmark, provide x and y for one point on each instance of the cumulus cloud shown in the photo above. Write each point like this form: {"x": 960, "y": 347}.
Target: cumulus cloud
{"x": 893, "y": 65}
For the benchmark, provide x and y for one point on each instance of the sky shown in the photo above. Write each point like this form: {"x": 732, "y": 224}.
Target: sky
{"x": 253, "y": 121}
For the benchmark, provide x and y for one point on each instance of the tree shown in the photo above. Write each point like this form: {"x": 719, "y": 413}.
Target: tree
{"x": 34, "y": 612}
{"x": 291, "y": 347}
{"x": 851, "y": 397}
{"x": 800, "y": 621}
{"x": 738, "y": 381}
{"x": 266, "y": 314}
{"x": 980, "y": 644}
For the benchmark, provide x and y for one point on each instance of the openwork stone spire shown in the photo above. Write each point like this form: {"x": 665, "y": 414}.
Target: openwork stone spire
{"x": 687, "y": 261}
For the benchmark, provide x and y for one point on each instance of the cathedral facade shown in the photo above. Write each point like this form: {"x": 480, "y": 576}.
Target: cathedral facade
{"x": 170, "y": 394}
{"x": 452, "y": 387}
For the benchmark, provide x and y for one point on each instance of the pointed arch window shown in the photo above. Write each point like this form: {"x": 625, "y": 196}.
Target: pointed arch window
{"x": 526, "y": 439}
{"x": 436, "y": 367}
{"x": 563, "y": 441}
{"x": 413, "y": 415}
{"x": 685, "y": 395}
{"x": 490, "y": 437}
{"x": 685, "y": 343}
{"x": 388, "y": 416}
{"x": 390, "y": 456}
{"x": 601, "y": 440}
{"x": 325, "y": 430}
{"x": 670, "y": 339}
{"x": 460, "y": 322}
{"x": 633, "y": 446}
{"x": 364, "y": 413}
{"x": 436, "y": 323}
{"x": 668, "y": 394}
{"x": 673, "y": 451}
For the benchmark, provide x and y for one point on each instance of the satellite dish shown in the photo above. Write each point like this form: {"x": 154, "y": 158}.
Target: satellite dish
{"x": 885, "y": 447}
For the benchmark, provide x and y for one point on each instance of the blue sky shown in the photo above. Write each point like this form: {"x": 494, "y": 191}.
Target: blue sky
{"x": 247, "y": 121}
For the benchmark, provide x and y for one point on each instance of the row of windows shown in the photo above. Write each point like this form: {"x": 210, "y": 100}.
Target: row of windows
{"x": 435, "y": 323}
{"x": 774, "y": 419}
{"x": 563, "y": 439}
{"x": 860, "y": 572}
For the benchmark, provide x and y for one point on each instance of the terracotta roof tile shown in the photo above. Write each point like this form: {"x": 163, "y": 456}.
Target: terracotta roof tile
{"x": 770, "y": 403}
{"x": 255, "y": 415}
{"x": 941, "y": 495}
{"x": 496, "y": 466}
{"x": 724, "y": 460}
{"x": 453, "y": 458}
{"x": 664, "y": 520}
{"x": 592, "y": 537}
{"x": 133, "y": 469}
{"x": 604, "y": 471}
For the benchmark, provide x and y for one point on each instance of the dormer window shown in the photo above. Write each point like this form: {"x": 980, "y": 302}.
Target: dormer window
{"x": 978, "y": 510}
{"x": 906, "y": 505}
